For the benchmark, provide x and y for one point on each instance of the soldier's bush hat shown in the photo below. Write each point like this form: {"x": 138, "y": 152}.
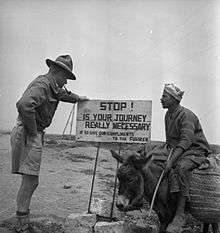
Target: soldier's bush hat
{"x": 65, "y": 62}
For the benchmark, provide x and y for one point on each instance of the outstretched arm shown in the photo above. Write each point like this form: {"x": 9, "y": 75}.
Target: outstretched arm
{"x": 68, "y": 96}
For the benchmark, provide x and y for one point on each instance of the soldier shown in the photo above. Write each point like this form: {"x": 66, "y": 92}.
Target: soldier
{"x": 36, "y": 109}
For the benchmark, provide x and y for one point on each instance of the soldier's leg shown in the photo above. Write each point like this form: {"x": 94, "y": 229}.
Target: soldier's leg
{"x": 28, "y": 186}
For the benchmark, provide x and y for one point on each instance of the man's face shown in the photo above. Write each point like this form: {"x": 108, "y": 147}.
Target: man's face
{"x": 61, "y": 78}
{"x": 167, "y": 100}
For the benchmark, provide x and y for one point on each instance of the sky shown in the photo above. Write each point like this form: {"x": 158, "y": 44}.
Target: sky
{"x": 122, "y": 50}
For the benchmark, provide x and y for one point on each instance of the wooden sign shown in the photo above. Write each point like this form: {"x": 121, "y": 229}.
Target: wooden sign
{"x": 126, "y": 121}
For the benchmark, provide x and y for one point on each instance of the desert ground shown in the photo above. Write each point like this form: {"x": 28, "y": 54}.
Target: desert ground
{"x": 65, "y": 179}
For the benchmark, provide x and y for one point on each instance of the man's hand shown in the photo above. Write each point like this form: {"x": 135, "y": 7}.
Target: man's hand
{"x": 173, "y": 158}
{"x": 168, "y": 167}
{"x": 31, "y": 134}
{"x": 83, "y": 98}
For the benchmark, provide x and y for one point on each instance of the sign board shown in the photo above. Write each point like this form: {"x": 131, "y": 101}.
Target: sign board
{"x": 126, "y": 121}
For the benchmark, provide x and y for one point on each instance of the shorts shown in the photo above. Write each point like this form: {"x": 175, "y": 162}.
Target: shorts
{"x": 26, "y": 151}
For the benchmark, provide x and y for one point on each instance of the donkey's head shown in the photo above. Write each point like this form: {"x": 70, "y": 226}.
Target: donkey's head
{"x": 131, "y": 181}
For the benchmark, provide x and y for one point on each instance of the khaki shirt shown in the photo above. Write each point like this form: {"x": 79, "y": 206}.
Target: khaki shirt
{"x": 39, "y": 102}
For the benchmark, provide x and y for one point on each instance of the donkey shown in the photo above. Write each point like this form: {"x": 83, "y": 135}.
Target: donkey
{"x": 138, "y": 178}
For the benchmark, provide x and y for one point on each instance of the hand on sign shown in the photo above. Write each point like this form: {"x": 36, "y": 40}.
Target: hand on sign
{"x": 83, "y": 98}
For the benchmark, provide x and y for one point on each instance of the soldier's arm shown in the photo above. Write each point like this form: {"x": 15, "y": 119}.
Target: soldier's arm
{"x": 68, "y": 96}
{"x": 31, "y": 99}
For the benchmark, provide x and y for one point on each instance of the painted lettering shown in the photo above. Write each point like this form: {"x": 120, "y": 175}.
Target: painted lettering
{"x": 112, "y": 106}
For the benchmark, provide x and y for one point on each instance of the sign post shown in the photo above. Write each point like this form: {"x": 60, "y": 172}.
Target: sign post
{"x": 120, "y": 121}
{"x": 115, "y": 184}
{"x": 93, "y": 178}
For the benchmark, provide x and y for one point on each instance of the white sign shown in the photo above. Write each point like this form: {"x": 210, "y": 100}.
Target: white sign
{"x": 127, "y": 121}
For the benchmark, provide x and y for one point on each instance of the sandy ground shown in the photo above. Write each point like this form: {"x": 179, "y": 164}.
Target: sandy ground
{"x": 65, "y": 178}
{"x": 65, "y": 181}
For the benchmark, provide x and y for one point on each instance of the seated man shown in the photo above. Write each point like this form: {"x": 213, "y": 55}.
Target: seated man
{"x": 187, "y": 144}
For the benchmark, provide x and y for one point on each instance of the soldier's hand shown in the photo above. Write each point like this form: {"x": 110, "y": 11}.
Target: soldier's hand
{"x": 83, "y": 98}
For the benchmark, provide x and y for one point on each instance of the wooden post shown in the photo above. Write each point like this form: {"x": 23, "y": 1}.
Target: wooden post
{"x": 67, "y": 122}
{"x": 115, "y": 184}
{"x": 93, "y": 178}
{"x": 71, "y": 122}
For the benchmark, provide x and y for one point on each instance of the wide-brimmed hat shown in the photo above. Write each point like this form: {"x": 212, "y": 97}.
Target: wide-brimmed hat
{"x": 65, "y": 62}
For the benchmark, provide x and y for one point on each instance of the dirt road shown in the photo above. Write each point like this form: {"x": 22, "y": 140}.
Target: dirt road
{"x": 65, "y": 178}
{"x": 65, "y": 182}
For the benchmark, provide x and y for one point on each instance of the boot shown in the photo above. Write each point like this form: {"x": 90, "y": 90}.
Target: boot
{"x": 23, "y": 223}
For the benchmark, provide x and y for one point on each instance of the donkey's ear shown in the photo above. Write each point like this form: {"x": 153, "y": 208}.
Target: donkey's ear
{"x": 117, "y": 156}
{"x": 143, "y": 162}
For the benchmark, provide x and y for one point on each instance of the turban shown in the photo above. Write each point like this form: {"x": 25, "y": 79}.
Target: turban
{"x": 174, "y": 91}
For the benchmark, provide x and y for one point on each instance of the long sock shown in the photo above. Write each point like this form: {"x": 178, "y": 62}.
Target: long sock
{"x": 22, "y": 223}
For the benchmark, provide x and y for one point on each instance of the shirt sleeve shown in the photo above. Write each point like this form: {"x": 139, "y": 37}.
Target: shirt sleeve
{"x": 32, "y": 98}
{"x": 187, "y": 129}
{"x": 65, "y": 96}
